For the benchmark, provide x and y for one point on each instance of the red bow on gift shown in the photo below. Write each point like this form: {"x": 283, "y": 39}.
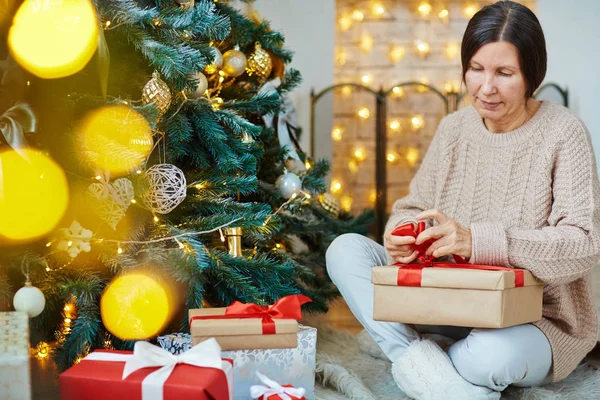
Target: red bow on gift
{"x": 289, "y": 307}
{"x": 410, "y": 274}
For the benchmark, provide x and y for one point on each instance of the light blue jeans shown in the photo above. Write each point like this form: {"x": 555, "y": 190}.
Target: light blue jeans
{"x": 495, "y": 358}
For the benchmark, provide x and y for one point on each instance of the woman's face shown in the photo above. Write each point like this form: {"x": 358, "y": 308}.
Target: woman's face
{"x": 496, "y": 84}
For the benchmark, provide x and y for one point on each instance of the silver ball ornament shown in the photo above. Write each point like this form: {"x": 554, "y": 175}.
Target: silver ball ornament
{"x": 288, "y": 184}
{"x": 202, "y": 84}
{"x": 30, "y": 300}
{"x": 234, "y": 63}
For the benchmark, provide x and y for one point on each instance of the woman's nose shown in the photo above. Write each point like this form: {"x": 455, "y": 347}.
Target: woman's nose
{"x": 489, "y": 86}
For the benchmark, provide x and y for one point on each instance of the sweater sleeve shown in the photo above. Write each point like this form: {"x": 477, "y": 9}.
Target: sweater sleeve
{"x": 569, "y": 247}
{"x": 422, "y": 187}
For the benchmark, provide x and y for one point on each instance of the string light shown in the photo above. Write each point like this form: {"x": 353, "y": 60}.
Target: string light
{"x": 67, "y": 321}
{"x": 452, "y": 50}
{"x": 364, "y": 113}
{"x": 157, "y": 22}
{"x": 378, "y": 9}
{"x": 307, "y": 164}
{"x": 42, "y": 350}
{"x": 360, "y": 153}
{"x": 470, "y": 10}
{"x": 396, "y": 53}
{"x": 366, "y": 42}
{"x": 412, "y": 156}
{"x": 181, "y": 246}
{"x": 67, "y": 308}
{"x": 345, "y": 22}
{"x": 353, "y": 166}
{"x": 107, "y": 24}
{"x": 98, "y": 177}
{"x": 346, "y": 90}
{"x": 372, "y": 196}
{"x": 346, "y": 202}
{"x": 395, "y": 125}
{"x": 133, "y": 201}
{"x": 335, "y": 186}
{"x": 155, "y": 218}
{"x": 424, "y": 9}
{"x": 341, "y": 56}
{"x": 366, "y": 79}
{"x": 358, "y": 15}
{"x": 424, "y": 81}
{"x": 398, "y": 92}
{"x": 337, "y": 133}
{"x": 392, "y": 157}
{"x": 417, "y": 122}
{"x": 422, "y": 48}
{"x": 443, "y": 15}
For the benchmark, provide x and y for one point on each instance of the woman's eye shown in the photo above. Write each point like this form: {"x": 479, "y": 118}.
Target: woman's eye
{"x": 475, "y": 69}
{"x": 505, "y": 73}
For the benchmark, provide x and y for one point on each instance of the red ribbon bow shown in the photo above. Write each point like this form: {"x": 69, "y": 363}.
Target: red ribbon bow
{"x": 410, "y": 274}
{"x": 289, "y": 307}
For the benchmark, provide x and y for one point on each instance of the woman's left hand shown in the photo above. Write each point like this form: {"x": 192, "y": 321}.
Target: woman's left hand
{"x": 452, "y": 237}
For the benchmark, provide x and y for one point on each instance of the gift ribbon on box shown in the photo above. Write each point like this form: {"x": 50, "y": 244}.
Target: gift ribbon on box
{"x": 270, "y": 388}
{"x": 289, "y": 307}
{"x": 411, "y": 274}
{"x": 206, "y": 354}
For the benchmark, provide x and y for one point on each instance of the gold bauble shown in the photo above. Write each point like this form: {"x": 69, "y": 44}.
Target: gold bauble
{"x": 202, "y": 85}
{"x": 330, "y": 204}
{"x": 157, "y": 91}
{"x": 185, "y": 3}
{"x": 234, "y": 62}
{"x": 234, "y": 240}
{"x": 259, "y": 63}
{"x": 216, "y": 64}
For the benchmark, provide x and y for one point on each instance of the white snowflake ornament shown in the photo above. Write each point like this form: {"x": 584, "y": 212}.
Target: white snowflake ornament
{"x": 75, "y": 239}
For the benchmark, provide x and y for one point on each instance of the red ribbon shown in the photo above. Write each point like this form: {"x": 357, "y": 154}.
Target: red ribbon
{"x": 411, "y": 274}
{"x": 289, "y": 307}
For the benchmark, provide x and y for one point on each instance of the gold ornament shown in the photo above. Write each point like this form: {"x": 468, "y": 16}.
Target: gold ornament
{"x": 202, "y": 85}
{"x": 259, "y": 63}
{"x": 234, "y": 241}
{"x": 216, "y": 64}
{"x": 234, "y": 62}
{"x": 157, "y": 91}
{"x": 185, "y": 3}
{"x": 329, "y": 203}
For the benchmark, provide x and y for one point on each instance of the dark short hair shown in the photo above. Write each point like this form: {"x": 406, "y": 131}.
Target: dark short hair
{"x": 513, "y": 23}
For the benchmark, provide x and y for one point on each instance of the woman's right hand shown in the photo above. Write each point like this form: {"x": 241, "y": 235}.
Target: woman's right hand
{"x": 400, "y": 248}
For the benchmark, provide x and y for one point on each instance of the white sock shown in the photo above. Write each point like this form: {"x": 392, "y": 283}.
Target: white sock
{"x": 425, "y": 372}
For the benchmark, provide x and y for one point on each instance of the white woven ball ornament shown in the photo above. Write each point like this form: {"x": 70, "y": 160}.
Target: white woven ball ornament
{"x": 30, "y": 300}
{"x": 288, "y": 184}
{"x": 166, "y": 188}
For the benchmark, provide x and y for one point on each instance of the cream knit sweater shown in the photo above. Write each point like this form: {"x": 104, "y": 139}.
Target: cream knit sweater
{"x": 532, "y": 200}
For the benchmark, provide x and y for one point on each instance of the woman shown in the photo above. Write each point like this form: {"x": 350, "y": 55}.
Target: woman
{"x": 509, "y": 181}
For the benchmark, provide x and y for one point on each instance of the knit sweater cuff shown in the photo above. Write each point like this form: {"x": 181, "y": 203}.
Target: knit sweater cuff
{"x": 489, "y": 244}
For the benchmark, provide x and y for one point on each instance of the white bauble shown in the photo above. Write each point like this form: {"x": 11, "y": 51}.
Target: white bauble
{"x": 30, "y": 300}
{"x": 288, "y": 184}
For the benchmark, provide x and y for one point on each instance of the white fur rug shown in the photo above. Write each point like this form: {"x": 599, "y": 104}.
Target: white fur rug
{"x": 349, "y": 367}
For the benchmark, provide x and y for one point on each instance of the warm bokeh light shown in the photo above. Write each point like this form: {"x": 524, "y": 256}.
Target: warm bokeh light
{"x": 422, "y": 48}
{"x": 398, "y": 92}
{"x": 116, "y": 138}
{"x": 335, "y": 186}
{"x": 395, "y": 125}
{"x": 452, "y": 50}
{"x": 366, "y": 42}
{"x": 412, "y": 156}
{"x": 346, "y": 203}
{"x": 424, "y": 8}
{"x": 425, "y": 81}
{"x": 54, "y": 38}
{"x": 341, "y": 56}
{"x": 392, "y": 157}
{"x": 452, "y": 86}
{"x": 396, "y": 53}
{"x": 337, "y": 133}
{"x": 135, "y": 306}
{"x": 34, "y": 194}
{"x": 360, "y": 153}
{"x": 364, "y": 113}
{"x": 42, "y": 350}
{"x": 378, "y": 9}
{"x": 366, "y": 79}
{"x": 346, "y": 91}
{"x": 358, "y": 15}
{"x": 345, "y": 22}
{"x": 353, "y": 166}
{"x": 372, "y": 196}
{"x": 443, "y": 14}
{"x": 417, "y": 121}
{"x": 470, "y": 10}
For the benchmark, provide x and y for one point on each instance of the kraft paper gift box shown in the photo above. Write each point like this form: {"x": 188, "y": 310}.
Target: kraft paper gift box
{"x": 150, "y": 373}
{"x": 294, "y": 366}
{"x": 456, "y": 294}
{"x": 15, "y": 381}
{"x": 250, "y": 326}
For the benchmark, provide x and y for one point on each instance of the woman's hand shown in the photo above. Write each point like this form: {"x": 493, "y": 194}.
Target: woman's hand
{"x": 400, "y": 248}
{"x": 452, "y": 237}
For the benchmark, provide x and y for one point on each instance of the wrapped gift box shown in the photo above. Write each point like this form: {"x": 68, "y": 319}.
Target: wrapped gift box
{"x": 294, "y": 366}
{"x": 15, "y": 381}
{"x": 95, "y": 378}
{"x": 445, "y": 294}
{"x": 249, "y": 326}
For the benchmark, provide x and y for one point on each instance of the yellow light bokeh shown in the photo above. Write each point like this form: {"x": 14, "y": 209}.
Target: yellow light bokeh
{"x": 372, "y": 196}
{"x": 360, "y": 153}
{"x": 346, "y": 203}
{"x": 392, "y": 157}
{"x": 366, "y": 79}
{"x": 417, "y": 122}
{"x": 346, "y": 91}
{"x": 470, "y": 10}
{"x": 353, "y": 166}
{"x": 34, "y": 194}
{"x": 424, "y": 9}
{"x": 452, "y": 50}
{"x": 398, "y": 92}
{"x": 335, "y": 186}
{"x": 366, "y": 42}
{"x": 358, "y": 15}
{"x": 341, "y": 56}
{"x": 412, "y": 156}
{"x": 422, "y": 48}
{"x": 378, "y": 9}
{"x": 396, "y": 53}
{"x": 443, "y": 14}
{"x": 364, "y": 113}
{"x": 42, "y": 350}
{"x": 116, "y": 138}
{"x": 395, "y": 125}
{"x": 345, "y": 22}
{"x": 135, "y": 306}
{"x": 54, "y": 38}
{"x": 337, "y": 133}
{"x": 425, "y": 81}
{"x": 452, "y": 86}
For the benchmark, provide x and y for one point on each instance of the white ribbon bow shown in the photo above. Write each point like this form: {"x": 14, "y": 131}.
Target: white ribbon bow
{"x": 272, "y": 388}
{"x": 205, "y": 354}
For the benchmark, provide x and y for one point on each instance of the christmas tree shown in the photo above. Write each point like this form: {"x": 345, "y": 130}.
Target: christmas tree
{"x": 177, "y": 178}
